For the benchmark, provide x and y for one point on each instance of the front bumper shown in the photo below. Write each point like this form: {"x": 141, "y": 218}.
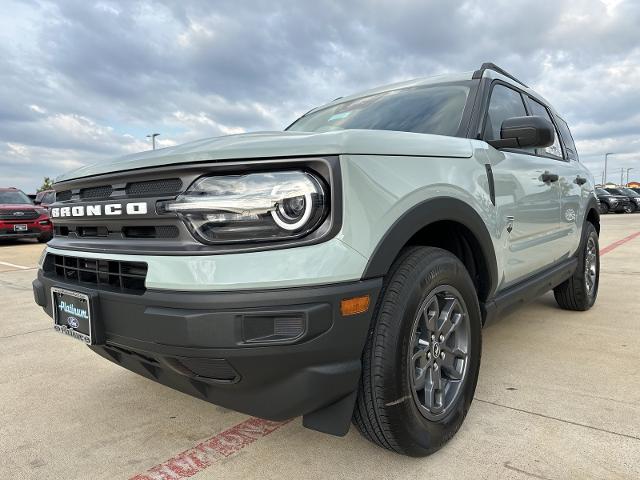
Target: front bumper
{"x": 275, "y": 353}
{"x": 34, "y": 229}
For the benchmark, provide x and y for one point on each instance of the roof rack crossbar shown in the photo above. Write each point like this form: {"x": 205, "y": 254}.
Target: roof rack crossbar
{"x": 492, "y": 66}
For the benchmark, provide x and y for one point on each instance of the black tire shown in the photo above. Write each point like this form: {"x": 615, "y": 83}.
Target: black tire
{"x": 631, "y": 208}
{"x": 575, "y": 293}
{"x": 387, "y": 412}
{"x": 44, "y": 238}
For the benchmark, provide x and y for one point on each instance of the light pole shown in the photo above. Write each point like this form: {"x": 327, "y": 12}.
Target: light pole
{"x": 605, "y": 167}
{"x": 154, "y": 135}
{"x": 631, "y": 168}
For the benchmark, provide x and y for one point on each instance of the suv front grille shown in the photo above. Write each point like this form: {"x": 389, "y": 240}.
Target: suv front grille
{"x": 63, "y": 196}
{"x": 22, "y": 214}
{"x": 137, "y": 231}
{"x": 165, "y": 186}
{"x": 155, "y": 187}
{"x": 94, "y": 193}
{"x": 108, "y": 274}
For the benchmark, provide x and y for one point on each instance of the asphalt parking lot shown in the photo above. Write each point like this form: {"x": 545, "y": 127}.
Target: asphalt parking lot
{"x": 558, "y": 398}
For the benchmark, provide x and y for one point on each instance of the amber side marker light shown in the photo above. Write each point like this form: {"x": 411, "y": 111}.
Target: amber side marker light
{"x": 354, "y": 306}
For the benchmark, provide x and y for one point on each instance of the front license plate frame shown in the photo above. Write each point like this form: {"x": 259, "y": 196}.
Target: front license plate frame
{"x": 65, "y": 315}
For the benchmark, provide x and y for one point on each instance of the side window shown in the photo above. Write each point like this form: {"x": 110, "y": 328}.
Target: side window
{"x": 555, "y": 150}
{"x": 567, "y": 139}
{"x": 48, "y": 198}
{"x": 504, "y": 103}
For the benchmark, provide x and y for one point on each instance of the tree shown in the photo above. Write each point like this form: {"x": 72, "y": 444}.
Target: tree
{"x": 47, "y": 184}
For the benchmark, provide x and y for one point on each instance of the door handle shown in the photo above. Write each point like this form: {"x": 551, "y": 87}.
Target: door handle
{"x": 549, "y": 177}
{"x": 580, "y": 180}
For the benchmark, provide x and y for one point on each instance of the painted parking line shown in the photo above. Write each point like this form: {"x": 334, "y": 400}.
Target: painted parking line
{"x": 21, "y": 267}
{"x": 615, "y": 245}
{"x": 211, "y": 451}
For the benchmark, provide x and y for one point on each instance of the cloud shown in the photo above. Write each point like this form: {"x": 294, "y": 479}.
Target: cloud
{"x": 84, "y": 81}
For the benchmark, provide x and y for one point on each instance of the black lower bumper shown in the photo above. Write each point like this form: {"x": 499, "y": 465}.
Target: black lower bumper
{"x": 275, "y": 354}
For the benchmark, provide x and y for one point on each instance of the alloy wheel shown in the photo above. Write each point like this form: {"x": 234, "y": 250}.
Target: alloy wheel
{"x": 590, "y": 266}
{"x": 439, "y": 352}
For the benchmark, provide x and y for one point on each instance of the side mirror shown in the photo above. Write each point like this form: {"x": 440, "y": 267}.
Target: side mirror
{"x": 520, "y": 132}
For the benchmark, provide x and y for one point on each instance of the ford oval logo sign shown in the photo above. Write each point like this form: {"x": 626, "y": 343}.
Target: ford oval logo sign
{"x": 73, "y": 322}
{"x": 18, "y": 214}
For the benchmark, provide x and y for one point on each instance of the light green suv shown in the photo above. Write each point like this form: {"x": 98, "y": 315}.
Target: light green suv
{"x": 341, "y": 270}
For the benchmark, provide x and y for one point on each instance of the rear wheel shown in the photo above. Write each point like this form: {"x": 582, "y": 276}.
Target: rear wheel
{"x": 44, "y": 238}
{"x": 421, "y": 361}
{"x": 581, "y": 290}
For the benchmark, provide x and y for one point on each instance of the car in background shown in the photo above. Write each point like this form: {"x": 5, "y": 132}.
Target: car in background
{"x": 20, "y": 218}
{"x": 634, "y": 198}
{"x": 45, "y": 198}
{"x": 634, "y": 195}
{"x": 613, "y": 203}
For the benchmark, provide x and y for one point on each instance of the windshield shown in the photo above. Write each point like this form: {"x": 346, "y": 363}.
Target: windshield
{"x": 435, "y": 109}
{"x": 15, "y": 198}
{"x": 631, "y": 193}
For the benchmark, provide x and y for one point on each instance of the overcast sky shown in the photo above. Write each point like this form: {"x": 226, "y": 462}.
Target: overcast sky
{"x": 82, "y": 81}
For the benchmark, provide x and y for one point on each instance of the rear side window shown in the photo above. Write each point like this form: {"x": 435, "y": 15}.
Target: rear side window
{"x": 567, "y": 139}
{"x": 555, "y": 150}
{"x": 48, "y": 198}
{"x": 505, "y": 103}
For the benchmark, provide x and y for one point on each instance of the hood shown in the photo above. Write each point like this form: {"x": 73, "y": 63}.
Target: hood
{"x": 16, "y": 206}
{"x": 286, "y": 144}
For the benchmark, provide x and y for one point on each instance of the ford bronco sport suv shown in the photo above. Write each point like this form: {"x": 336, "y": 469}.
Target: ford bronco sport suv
{"x": 20, "y": 218}
{"x": 341, "y": 270}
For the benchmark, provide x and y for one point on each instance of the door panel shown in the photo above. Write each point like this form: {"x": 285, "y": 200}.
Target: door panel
{"x": 528, "y": 213}
{"x": 573, "y": 198}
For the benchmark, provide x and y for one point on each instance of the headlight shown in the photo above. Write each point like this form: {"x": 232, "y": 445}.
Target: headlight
{"x": 253, "y": 207}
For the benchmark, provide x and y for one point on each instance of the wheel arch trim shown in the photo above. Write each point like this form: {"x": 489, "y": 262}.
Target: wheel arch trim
{"x": 592, "y": 210}
{"x": 422, "y": 215}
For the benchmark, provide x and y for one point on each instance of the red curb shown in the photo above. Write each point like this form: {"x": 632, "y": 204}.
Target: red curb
{"x": 614, "y": 245}
{"x": 207, "y": 453}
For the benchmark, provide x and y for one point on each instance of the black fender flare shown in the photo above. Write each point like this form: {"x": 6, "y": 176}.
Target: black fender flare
{"x": 592, "y": 204}
{"x": 422, "y": 215}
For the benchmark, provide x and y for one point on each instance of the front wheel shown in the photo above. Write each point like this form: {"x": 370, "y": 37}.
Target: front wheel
{"x": 421, "y": 360}
{"x": 630, "y": 208}
{"x": 579, "y": 292}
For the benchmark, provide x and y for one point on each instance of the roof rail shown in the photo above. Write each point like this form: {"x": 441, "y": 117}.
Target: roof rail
{"x": 492, "y": 66}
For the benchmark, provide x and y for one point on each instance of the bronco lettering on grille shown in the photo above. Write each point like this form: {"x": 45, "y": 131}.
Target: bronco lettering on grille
{"x": 135, "y": 208}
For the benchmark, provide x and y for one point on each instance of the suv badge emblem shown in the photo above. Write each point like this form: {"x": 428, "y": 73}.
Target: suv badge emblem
{"x": 73, "y": 322}
{"x": 18, "y": 214}
{"x": 510, "y": 221}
